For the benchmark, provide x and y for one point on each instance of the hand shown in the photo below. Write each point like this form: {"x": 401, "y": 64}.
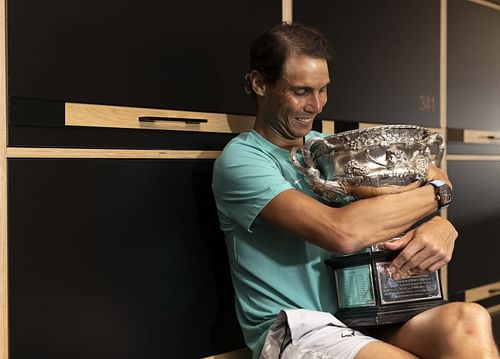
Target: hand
{"x": 423, "y": 249}
{"x": 434, "y": 173}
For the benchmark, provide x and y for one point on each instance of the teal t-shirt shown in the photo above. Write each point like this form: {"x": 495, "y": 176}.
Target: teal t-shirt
{"x": 271, "y": 269}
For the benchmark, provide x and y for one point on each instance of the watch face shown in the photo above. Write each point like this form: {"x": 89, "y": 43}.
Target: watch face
{"x": 444, "y": 195}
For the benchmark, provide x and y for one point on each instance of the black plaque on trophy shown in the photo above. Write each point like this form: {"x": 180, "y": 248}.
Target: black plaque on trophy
{"x": 367, "y": 294}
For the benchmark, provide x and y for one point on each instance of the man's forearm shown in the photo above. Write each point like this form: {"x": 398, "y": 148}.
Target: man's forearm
{"x": 373, "y": 220}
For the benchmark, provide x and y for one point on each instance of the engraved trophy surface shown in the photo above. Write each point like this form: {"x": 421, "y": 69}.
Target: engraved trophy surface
{"x": 344, "y": 167}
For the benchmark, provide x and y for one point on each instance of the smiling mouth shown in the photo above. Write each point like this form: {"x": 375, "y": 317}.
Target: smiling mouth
{"x": 304, "y": 120}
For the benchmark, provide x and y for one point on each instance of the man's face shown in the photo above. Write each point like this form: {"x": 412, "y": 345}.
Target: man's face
{"x": 290, "y": 105}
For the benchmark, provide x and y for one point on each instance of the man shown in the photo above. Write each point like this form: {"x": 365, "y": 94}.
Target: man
{"x": 278, "y": 234}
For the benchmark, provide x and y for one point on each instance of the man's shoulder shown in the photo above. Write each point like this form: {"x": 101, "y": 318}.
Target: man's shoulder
{"x": 245, "y": 146}
{"x": 247, "y": 138}
{"x": 251, "y": 148}
{"x": 251, "y": 139}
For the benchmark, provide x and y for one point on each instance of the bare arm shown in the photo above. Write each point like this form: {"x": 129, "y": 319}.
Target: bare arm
{"x": 365, "y": 222}
{"x": 353, "y": 227}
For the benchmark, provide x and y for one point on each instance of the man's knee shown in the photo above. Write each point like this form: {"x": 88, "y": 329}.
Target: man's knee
{"x": 463, "y": 320}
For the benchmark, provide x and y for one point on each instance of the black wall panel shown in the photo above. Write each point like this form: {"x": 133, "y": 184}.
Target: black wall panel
{"x": 93, "y": 137}
{"x": 475, "y": 212}
{"x": 167, "y": 54}
{"x": 117, "y": 259}
{"x": 496, "y": 327}
{"x": 473, "y": 66}
{"x": 386, "y": 65}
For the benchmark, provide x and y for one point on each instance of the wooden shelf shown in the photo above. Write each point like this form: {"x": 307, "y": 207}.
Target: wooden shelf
{"x": 89, "y": 115}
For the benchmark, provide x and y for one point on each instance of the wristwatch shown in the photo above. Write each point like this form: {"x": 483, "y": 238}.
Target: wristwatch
{"x": 442, "y": 192}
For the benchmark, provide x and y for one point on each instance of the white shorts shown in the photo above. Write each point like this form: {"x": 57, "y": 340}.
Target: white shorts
{"x": 306, "y": 334}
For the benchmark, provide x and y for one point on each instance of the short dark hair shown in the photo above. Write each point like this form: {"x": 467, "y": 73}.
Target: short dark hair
{"x": 269, "y": 51}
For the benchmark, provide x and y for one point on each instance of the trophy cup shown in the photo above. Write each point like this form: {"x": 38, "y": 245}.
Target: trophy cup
{"x": 362, "y": 163}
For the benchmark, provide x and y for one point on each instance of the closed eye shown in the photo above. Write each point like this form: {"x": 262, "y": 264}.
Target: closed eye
{"x": 300, "y": 91}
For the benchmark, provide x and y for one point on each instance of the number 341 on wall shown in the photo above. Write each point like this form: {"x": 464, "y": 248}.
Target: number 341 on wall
{"x": 426, "y": 103}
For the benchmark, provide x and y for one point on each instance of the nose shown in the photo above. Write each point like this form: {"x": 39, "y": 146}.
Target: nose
{"x": 315, "y": 103}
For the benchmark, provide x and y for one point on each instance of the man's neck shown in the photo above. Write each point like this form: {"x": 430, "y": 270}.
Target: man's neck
{"x": 276, "y": 138}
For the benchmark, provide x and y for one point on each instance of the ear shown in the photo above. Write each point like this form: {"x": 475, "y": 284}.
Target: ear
{"x": 258, "y": 84}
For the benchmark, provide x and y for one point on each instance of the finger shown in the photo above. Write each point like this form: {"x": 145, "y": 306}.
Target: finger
{"x": 406, "y": 254}
{"x": 428, "y": 255}
{"x": 428, "y": 263}
{"x": 429, "y": 259}
{"x": 438, "y": 257}
{"x": 397, "y": 243}
{"x": 402, "y": 274}
{"x": 416, "y": 271}
{"x": 410, "y": 273}
{"x": 437, "y": 265}
{"x": 417, "y": 262}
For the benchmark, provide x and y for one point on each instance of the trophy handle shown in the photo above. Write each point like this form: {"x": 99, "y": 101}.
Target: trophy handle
{"x": 326, "y": 188}
{"x": 305, "y": 151}
{"x": 295, "y": 162}
{"x": 436, "y": 138}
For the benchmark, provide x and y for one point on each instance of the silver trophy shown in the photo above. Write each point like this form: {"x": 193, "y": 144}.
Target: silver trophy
{"x": 367, "y": 162}
{"x": 351, "y": 165}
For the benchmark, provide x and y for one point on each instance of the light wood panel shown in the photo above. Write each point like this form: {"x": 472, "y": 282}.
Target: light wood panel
{"x": 474, "y": 136}
{"x": 327, "y": 126}
{"x": 17, "y": 152}
{"x": 494, "y": 310}
{"x": 443, "y": 71}
{"x": 237, "y": 354}
{"x": 443, "y": 101}
{"x": 482, "y": 137}
{"x": 473, "y": 157}
{"x": 487, "y": 4}
{"x": 482, "y": 292}
{"x": 287, "y": 11}
{"x": 79, "y": 114}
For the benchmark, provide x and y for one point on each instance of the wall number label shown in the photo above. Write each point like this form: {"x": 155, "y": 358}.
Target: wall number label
{"x": 426, "y": 103}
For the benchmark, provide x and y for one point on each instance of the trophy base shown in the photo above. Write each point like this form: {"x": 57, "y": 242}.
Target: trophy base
{"x": 390, "y": 314}
{"x": 368, "y": 296}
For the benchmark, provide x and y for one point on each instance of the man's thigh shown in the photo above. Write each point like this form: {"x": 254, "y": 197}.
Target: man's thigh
{"x": 304, "y": 334}
{"x": 382, "y": 350}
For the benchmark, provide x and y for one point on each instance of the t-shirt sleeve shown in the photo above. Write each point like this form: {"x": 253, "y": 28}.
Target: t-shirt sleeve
{"x": 245, "y": 181}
